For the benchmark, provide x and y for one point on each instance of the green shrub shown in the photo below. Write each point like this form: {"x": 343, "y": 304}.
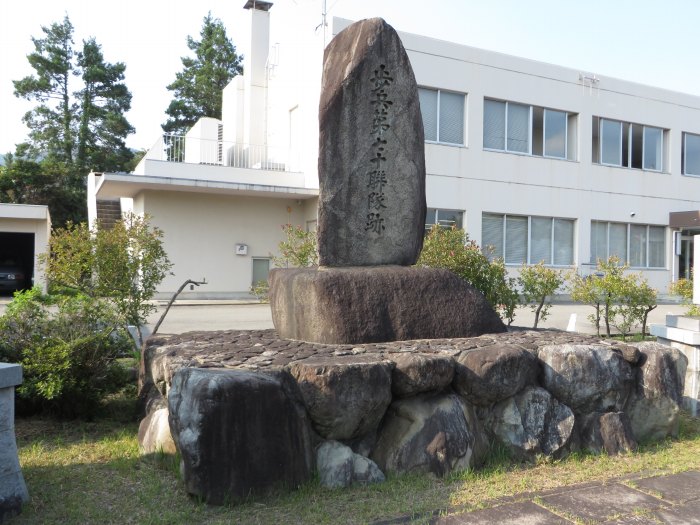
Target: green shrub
{"x": 452, "y": 249}
{"x": 124, "y": 263}
{"x": 299, "y": 249}
{"x": 261, "y": 291}
{"x": 620, "y": 300}
{"x": 537, "y": 282}
{"x": 67, "y": 347}
{"x": 684, "y": 288}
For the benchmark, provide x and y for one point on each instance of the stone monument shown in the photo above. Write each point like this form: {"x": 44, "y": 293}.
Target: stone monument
{"x": 371, "y": 163}
{"x": 371, "y": 213}
{"x": 13, "y": 491}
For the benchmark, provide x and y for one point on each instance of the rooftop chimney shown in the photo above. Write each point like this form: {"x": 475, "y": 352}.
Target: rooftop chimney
{"x": 255, "y": 72}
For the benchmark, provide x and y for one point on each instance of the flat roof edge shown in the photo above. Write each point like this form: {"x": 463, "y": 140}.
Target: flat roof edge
{"x": 148, "y": 180}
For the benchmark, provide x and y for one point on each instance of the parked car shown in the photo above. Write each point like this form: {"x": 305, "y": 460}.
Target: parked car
{"x": 11, "y": 273}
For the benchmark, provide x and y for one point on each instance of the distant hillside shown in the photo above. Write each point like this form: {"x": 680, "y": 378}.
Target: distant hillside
{"x": 2, "y": 159}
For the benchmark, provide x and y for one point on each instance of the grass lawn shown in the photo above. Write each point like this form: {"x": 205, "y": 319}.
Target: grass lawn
{"x": 79, "y": 472}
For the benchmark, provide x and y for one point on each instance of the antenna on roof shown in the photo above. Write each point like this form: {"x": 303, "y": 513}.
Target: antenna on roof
{"x": 324, "y": 22}
{"x": 589, "y": 80}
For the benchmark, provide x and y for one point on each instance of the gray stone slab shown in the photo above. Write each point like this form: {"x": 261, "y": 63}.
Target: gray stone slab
{"x": 7, "y": 408}
{"x": 13, "y": 493}
{"x": 9, "y": 464}
{"x": 601, "y": 502}
{"x": 688, "y": 514}
{"x": 677, "y": 488}
{"x": 689, "y": 337}
{"x": 10, "y": 375}
{"x": 526, "y": 513}
{"x": 683, "y": 321}
{"x": 635, "y": 519}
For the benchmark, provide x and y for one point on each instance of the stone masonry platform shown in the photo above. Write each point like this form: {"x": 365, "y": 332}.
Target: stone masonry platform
{"x": 250, "y": 413}
{"x": 259, "y": 350}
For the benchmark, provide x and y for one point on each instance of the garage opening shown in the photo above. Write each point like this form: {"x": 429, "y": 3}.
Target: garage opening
{"x": 16, "y": 262}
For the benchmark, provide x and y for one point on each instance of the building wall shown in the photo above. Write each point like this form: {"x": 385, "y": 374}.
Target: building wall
{"x": 475, "y": 180}
{"x": 201, "y": 232}
{"x": 465, "y": 177}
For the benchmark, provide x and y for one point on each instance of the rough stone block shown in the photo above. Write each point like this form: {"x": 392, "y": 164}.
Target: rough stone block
{"x": 154, "y": 433}
{"x": 655, "y": 402}
{"x": 533, "y": 422}
{"x": 376, "y": 304}
{"x": 610, "y": 432}
{"x": 429, "y": 433}
{"x": 239, "y": 433}
{"x": 345, "y": 396}
{"x": 587, "y": 378}
{"x": 418, "y": 373}
{"x": 339, "y": 466}
{"x": 490, "y": 374}
{"x": 691, "y": 390}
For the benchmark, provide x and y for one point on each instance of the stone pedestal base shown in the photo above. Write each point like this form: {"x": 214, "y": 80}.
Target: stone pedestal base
{"x": 13, "y": 491}
{"x": 683, "y": 332}
{"x": 377, "y": 304}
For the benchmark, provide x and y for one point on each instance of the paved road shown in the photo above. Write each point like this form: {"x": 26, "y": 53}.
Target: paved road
{"x": 220, "y": 315}
{"x": 208, "y": 316}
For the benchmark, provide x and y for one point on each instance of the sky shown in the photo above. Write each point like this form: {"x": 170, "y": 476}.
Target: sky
{"x": 645, "y": 41}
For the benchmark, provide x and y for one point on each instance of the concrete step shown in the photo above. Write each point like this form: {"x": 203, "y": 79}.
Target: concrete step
{"x": 683, "y": 321}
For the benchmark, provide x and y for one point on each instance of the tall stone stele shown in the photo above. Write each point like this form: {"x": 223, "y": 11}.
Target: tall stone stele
{"x": 371, "y": 211}
{"x": 371, "y": 163}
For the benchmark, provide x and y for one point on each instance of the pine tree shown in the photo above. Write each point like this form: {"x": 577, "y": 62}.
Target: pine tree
{"x": 197, "y": 88}
{"x": 103, "y": 101}
{"x": 77, "y": 125}
{"x": 51, "y": 122}
{"x": 82, "y": 126}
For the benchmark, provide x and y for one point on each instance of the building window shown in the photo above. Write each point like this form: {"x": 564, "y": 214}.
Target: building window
{"x": 639, "y": 245}
{"x": 443, "y": 218}
{"x": 522, "y": 239}
{"x": 261, "y": 270}
{"x": 530, "y": 130}
{"x": 443, "y": 116}
{"x": 691, "y": 154}
{"x": 628, "y": 145}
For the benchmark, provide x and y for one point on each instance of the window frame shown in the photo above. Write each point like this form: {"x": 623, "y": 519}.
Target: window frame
{"x": 429, "y": 225}
{"x": 529, "y": 240}
{"x": 252, "y": 268}
{"x": 566, "y": 134}
{"x": 628, "y": 242}
{"x": 685, "y": 154}
{"x": 602, "y": 142}
{"x": 506, "y": 103}
{"x": 626, "y": 138}
{"x": 437, "y": 117}
{"x": 644, "y": 148}
{"x": 569, "y": 123}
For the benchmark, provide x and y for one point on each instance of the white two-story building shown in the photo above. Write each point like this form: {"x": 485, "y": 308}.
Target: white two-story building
{"x": 539, "y": 161}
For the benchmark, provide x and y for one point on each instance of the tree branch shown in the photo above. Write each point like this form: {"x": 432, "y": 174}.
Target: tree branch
{"x": 172, "y": 300}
